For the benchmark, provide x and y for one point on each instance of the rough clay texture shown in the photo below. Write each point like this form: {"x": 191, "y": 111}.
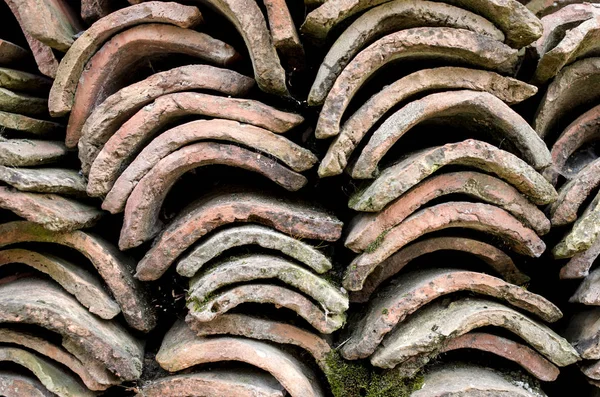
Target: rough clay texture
{"x": 258, "y": 266}
{"x": 30, "y": 152}
{"x": 58, "y": 354}
{"x": 14, "y": 102}
{"x": 426, "y": 330}
{"x": 263, "y": 329}
{"x": 385, "y": 19}
{"x": 221, "y": 208}
{"x": 484, "y": 111}
{"x": 588, "y": 292}
{"x": 365, "y": 228}
{"x": 11, "y": 53}
{"x": 149, "y": 121}
{"x": 181, "y": 349}
{"x": 17, "y": 385}
{"x": 574, "y": 193}
{"x": 269, "y": 144}
{"x": 112, "y": 114}
{"x": 353, "y": 130}
{"x": 53, "y": 377}
{"x": 519, "y": 25}
{"x": 220, "y": 303}
{"x": 580, "y": 264}
{"x": 109, "y": 69}
{"x": 542, "y": 8}
{"x": 584, "y": 233}
{"x": 215, "y": 383}
{"x": 580, "y": 132}
{"x": 577, "y": 43}
{"x": 414, "y": 290}
{"x": 141, "y": 221}
{"x": 435, "y": 43}
{"x": 113, "y": 267}
{"x": 44, "y": 180}
{"x": 284, "y": 34}
{"x": 84, "y": 286}
{"x": 472, "y": 381}
{"x": 31, "y": 301}
{"x": 583, "y": 333}
{"x": 574, "y": 86}
{"x": 29, "y": 125}
{"x": 402, "y": 176}
{"x": 482, "y": 217}
{"x": 17, "y": 80}
{"x": 493, "y": 257}
{"x": 72, "y": 65}
{"x": 52, "y": 211}
{"x": 239, "y": 236}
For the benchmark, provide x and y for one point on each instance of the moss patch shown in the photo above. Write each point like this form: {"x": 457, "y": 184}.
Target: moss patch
{"x": 360, "y": 379}
{"x": 375, "y": 244}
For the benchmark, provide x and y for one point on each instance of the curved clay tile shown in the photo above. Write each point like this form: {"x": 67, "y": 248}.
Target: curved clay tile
{"x": 18, "y": 385}
{"x": 447, "y": 44}
{"x": 52, "y": 211}
{"x": 222, "y": 208}
{"x": 482, "y": 108}
{"x": 219, "y": 303}
{"x": 558, "y": 23}
{"x": 30, "y": 152}
{"x": 85, "y": 287}
{"x": 225, "y": 131}
{"x": 54, "y": 23}
{"x": 435, "y": 324}
{"x": 142, "y": 222}
{"x": 263, "y": 329}
{"x": 72, "y": 65}
{"x": 14, "y": 102}
{"x": 520, "y": 354}
{"x": 166, "y": 110}
{"x": 215, "y": 383}
{"x": 391, "y": 306}
{"x": 490, "y": 255}
{"x": 385, "y": 19}
{"x": 366, "y": 228}
{"x": 45, "y": 58}
{"x": 44, "y": 180}
{"x": 32, "y": 342}
{"x": 53, "y": 377}
{"x": 482, "y": 217}
{"x": 584, "y": 233}
{"x": 580, "y": 264}
{"x": 587, "y": 293}
{"x": 29, "y": 125}
{"x": 260, "y": 267}
{"x": 11, "y": 53}
{"x": 354, "y": 129}
{"x": 542, "y": 8}
{"x": 580, "y": 132}
{"x": 22, "y": 81}
{"x": 579, "y": 42}
{"x": 182, "y": 349}
{"x": 405, "y": 174}
{"x": 284, "y": 34}
{"x": 574, "y": 86}
{"x": 108, "y": 70}
{"x": 519, "y": 25}
{"x": 248, "y": 235}
{"x": 120, "y": 186}
{"x": 112, "y": 114}
{"x": 470, "y": 380}
{"x": 114, "y": 269}
{"x": 574, "y": 193}
{"x": 39, "y": 302}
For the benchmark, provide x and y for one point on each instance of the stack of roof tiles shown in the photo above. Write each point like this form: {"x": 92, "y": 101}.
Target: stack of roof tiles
{"x": 192, "y": 138}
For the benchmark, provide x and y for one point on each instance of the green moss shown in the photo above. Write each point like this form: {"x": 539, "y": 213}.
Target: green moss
{"x": 360, "y": 379}
{"x": 375, "y": 244}
{"x": 197, "y": 305}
